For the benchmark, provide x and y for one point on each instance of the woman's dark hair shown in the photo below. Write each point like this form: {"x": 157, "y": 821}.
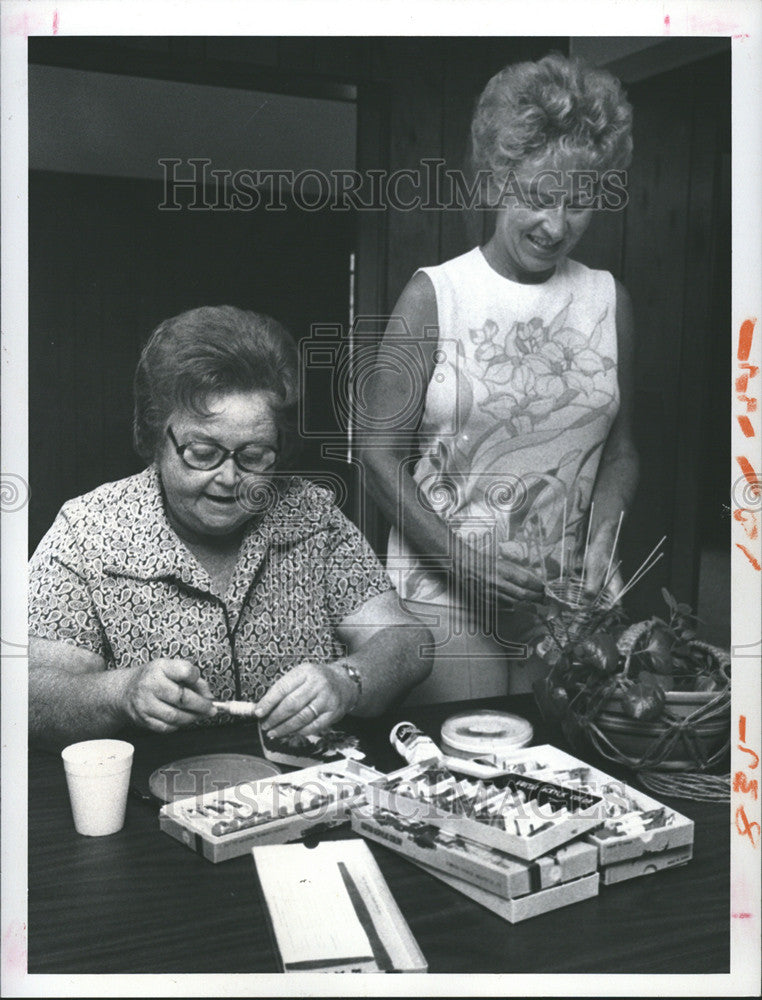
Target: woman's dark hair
{"x": 212, "y": 351}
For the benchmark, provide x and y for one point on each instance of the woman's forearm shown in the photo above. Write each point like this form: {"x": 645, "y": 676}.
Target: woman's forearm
{"x": 430, "y": 537}
{"x": 391, "y": 662}
{"x": 396, "y": 493}
{"x": 65, "y": 706}
{"x": 615, "y": 484}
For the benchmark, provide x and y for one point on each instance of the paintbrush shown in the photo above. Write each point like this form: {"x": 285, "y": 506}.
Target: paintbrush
{"x": 246, "y": 708}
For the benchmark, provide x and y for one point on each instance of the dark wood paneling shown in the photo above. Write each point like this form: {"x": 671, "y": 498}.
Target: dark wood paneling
{"x": 257, "y": 51}
{"x": 461, "y": 228}
{"x": 106, "y": 266}
{"x": 416, "y": 113}
{"x": 296, "y": 54}
{"x": 669, "y": 251}
{"x": 654, "y": 273}
{"x": 603, "y": 244}
{"x": 264, "y": 67}
{"x": 710, "y": 86}
{"x": 343, "y": 57}
{"x": 373, "y": 134}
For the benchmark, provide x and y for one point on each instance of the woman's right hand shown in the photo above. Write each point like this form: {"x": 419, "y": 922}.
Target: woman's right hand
{"x": 165, "y": 695}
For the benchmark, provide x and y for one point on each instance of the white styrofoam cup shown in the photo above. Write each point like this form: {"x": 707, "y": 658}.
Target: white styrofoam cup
{"x": 98, "y": 776}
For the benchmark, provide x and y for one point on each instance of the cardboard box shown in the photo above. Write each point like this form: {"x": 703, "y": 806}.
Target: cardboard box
{"x": 646, "y": 864}
{"x": 483, "y": 866}
{"x": 633, "y": 824}
{"x": 227, "y": 823}
{"x": 516, "y": 910}
{"x": 645, "y": 831}
{"x": 515, "y": 812}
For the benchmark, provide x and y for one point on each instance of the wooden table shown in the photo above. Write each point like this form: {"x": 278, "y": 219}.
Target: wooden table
{"x": 140, "y": 902}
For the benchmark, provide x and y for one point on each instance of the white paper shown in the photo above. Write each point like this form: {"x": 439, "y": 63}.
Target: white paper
{"x": 312, "y": 915}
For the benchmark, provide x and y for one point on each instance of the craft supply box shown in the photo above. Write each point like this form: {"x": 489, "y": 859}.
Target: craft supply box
{"x": 228, "y": 822}
{"x": 536, "y": 829}
{"x": 633, "y": 824}
{"x": 486, "y": 867}
{"x": 524, "y": 907}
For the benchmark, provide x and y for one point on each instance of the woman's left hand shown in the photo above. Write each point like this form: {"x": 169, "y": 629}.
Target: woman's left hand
{"x": 306, "y": 700}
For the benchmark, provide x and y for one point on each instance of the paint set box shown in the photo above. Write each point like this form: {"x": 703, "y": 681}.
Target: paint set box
{"x": 536, "y": 832}
{"x": 635, "y": 830}
{"x": 488, "y": 868}
{"x": 523, "y": 813}
{"x": 520, "y": 908}
{"x": 228, "y": 822}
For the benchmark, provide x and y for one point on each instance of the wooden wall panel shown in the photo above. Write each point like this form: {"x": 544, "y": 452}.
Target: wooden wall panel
{"x": 602, "y": 246}
{"x": 416, "y": 68}
{"x": 667, "y": 249}
{"x": 251, "y": 50}
{"x": 654, "y": 274}
{"x": 709, "y": 121}
{"x": 105, "y": 267}
{"x": 296, "y": 54}
{"x": 346, "y": 57}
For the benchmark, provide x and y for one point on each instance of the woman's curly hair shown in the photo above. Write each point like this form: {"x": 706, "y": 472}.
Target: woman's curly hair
{"x": 212, "y": 351}
{"x": 551, "y": 110}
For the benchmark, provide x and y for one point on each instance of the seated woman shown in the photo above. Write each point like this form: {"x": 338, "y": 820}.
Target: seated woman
{"x": 213, "y": 574}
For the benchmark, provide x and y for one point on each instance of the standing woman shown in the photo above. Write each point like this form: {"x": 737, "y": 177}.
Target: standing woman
{"x": 515, "y": 451}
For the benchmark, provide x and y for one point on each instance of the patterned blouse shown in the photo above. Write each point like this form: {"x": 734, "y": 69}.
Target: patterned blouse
{"x": 111, "y": 576}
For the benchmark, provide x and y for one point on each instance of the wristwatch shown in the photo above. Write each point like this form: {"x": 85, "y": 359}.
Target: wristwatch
{"x": 356, "y": 679}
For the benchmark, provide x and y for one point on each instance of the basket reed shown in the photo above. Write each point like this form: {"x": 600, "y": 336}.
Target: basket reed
{"x": 693, "y": 736}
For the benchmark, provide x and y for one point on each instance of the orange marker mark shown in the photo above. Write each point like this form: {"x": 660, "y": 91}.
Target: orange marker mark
{"x": 748, "y": 471}
{"x": 745, "y": 828}
{"x": 749, "y": 556}
{"x": 744, "y": 339}
{"x": 746, "y": 786}
{"x": 748, "y": 521}
{"x": 742, "y": 728}
{"x": 751, "y": 403}
{"x": 746, "y": 426}
{"x": 751, "y": 753}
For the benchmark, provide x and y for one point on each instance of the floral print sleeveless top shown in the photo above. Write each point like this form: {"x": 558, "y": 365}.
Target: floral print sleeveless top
{"x": 521, "y": 399}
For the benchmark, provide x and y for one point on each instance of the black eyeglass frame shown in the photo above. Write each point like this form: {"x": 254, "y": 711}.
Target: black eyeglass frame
{"x": 226, "y": 454}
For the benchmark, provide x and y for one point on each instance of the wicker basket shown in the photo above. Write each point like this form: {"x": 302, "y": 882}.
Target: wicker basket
{"x": 692, "y": 735}
{"x": 577, "y": 616}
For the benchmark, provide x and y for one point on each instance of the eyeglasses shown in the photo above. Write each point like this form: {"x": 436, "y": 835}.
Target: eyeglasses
{"x": 204, "y": 456}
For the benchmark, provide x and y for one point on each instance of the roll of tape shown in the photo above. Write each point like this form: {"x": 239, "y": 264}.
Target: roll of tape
{"x": 474, "y": 734}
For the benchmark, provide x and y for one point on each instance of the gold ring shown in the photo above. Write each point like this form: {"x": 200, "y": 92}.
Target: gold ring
{"x": 314, "y": 711}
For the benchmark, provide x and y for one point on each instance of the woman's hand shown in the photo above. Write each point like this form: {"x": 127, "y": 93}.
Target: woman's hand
{"x": 600, "y": 563}
{"x": 306, "y": 700}
{"x": 482, "y": 579}
{"x": 165, "y": 695}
